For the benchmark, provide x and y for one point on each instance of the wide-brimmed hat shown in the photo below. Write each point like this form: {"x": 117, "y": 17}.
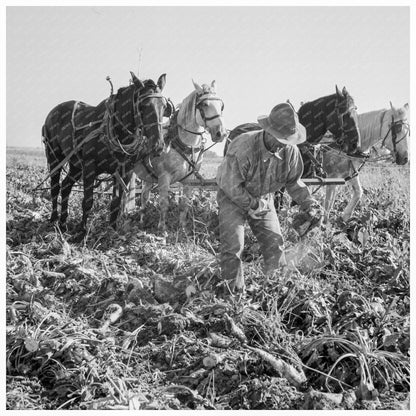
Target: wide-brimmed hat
{"x": 283, "y": 124}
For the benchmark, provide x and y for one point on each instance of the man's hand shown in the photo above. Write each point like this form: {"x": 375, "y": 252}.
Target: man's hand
{"x": 261, "y": 210}
{"x": 305, "y": 221}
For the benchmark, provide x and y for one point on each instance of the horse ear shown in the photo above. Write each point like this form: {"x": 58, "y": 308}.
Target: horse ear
{"x": 197, "y": 86}
{"x": 161, "y": 81}
{"x": 337, "y": 90}
{"x": 136, "y": 81}
{"x": 392, "y": 106}
{"x": 213, "y": 85}
{"x": 344, "y": 91}
{"x": 288, "y": 101}
{"x": 406, "y": 106}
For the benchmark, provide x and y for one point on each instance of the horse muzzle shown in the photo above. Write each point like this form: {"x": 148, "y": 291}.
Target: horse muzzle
{"x": 402, "y": 159}
{"x": 219, "y": 135}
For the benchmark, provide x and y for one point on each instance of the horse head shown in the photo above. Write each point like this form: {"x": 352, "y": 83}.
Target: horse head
{"x": 151, "y": 107}
{"x": 209, "y": 108}
{"x": 344, "y": 123}
{"x": 335, "y": 113}
{"x": 398, "y": 132}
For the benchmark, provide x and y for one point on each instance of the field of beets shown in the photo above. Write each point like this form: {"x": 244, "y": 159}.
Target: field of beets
{"x": 135, "y": 320}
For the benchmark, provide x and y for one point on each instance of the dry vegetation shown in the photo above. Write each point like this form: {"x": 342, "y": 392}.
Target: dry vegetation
{"x": 130, "y": 320}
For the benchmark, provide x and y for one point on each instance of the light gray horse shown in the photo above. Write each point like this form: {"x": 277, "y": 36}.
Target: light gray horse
{"x": 382, "y": 132}
{"x": 199, "y": 113}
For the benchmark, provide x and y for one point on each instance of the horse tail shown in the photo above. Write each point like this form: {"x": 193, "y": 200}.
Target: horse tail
{"x": 45, "y": 134}
{"x": 52, "y": 152}
{"x": 57, "y": 133}
{"x": 46, "y": 139}
{"x": 54, "y": 156}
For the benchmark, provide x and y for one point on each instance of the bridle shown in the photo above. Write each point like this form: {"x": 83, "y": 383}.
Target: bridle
{"x": 200, "y": 99}
{"x": 137, "y": 114}
{"x": 208, "y": 97}
{"x": 137, "y": 135}
{"x": 340, "y": 116}
{"x": 339, "y": 137}
{"x": 395, "y": 127}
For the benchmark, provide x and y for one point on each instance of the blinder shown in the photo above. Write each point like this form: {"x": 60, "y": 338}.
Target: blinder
{"x": 397, "y": 127}
{"x": 170, "y": 108}
{"x": 201, "y": 110}
{"x": 341, "y": 114}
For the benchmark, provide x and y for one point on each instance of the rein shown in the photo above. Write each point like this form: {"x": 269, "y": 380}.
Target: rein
{"x": 90, "y": 136}
{"x": 193, "y": 164}
{"x": 196, "y": 133}
{"x": 182, "y": 148}
{"x": 343, "y": 155}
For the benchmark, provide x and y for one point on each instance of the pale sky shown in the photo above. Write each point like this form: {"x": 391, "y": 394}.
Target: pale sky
{"x": 259, "y": 56}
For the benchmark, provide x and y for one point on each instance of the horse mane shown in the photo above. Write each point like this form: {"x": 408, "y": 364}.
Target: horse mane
{"x": 348, "y": 99}
{"x": 312, "y": 115}
{"x": 125, "y": 96}
{"x": 148, "y": 84}
{"x": 186, "y": 113}
{"x": 370, "y": 123}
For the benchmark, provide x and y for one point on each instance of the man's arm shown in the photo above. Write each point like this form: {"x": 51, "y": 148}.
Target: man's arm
{"x": 231, "y": 179}
{"x": 296, "y": 188}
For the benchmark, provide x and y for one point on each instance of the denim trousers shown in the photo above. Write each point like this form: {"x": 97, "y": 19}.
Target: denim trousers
{"x": 266, "y": 230}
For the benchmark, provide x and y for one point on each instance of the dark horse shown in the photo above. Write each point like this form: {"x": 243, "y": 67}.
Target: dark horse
{"x": 335, "y": 113}
{"x": 108, "y": 138}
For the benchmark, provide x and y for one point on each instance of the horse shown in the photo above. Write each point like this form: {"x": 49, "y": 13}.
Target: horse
{"x": 382, "y": 132}
{"x": 334, "y": 113}
{"x": 108, "y": 138}
{"x": 198, "y": 114}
